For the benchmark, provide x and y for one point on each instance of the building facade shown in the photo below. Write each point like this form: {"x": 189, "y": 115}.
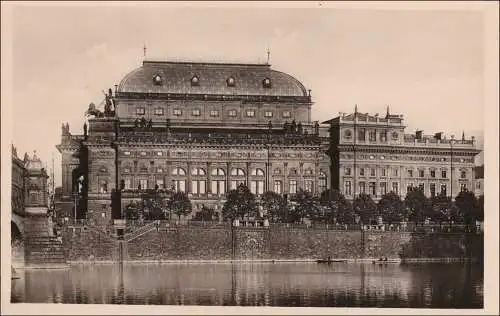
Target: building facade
{"x": 479, "y": 180}
{"x": 373, "y": 154}
{"x": 29, "y": 193}
{"x": 201, "y": 128}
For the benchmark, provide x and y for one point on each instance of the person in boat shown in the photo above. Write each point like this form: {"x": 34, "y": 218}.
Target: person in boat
{"x": 329, "y": 259}
{"x": 385, "y": 259}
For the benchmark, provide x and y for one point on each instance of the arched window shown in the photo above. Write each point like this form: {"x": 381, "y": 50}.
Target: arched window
{"x": 238, "y": 178}
{"x": 178, "y": 172}
{"x": 322, "y": 182}
{"x": 218, "y": 172}
{"x": 237, "y": 172}
{"x": 198, "y": 172}
{"x": 257, "y": 172}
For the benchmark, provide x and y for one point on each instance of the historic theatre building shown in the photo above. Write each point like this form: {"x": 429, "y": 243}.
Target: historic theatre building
{"x": 201, "y": 128}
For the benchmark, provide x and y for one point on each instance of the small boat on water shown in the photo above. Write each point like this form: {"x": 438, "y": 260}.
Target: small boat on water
{"x": 386, "y": 261}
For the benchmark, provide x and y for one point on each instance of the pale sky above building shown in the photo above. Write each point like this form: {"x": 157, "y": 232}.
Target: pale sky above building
{"x": 427, "y": 65}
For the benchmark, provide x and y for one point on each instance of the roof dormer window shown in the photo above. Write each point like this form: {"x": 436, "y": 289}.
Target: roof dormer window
{"x": 230, "y": 82}
{"x": 195, "y": 81}
{"x": 266, "y": 83}
{"x": 157, "y": 80}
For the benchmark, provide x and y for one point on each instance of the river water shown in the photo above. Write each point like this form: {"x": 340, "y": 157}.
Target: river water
{"x": 429, "y": 285}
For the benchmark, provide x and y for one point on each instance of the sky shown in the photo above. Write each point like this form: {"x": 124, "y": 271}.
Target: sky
{"x": 425, "y": 64}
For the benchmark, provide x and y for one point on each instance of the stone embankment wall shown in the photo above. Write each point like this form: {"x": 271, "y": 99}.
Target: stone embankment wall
{"x": 187, "y": 243}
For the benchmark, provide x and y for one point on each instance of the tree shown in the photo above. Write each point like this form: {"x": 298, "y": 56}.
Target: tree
{"x": 153, "y": 205}
{"x": 442, "y": 207}
{"x": 305, "y": 206}
{"x": 466, "y": 204}
{"x": 365, "y": 208}
{"x": 337, "y": 208}
{"x": 240, "y": 202}
{"x": 416, "y": 202}
{"x": 179, "y": 204}
{"x": 479, "y": 209}
{"x": 206, "y": 214}
{"x": 275, "y": 205}
{"x": 391, "y": 207}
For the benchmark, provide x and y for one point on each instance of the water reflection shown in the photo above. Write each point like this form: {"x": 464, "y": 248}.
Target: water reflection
{"x": 254, "y": 284}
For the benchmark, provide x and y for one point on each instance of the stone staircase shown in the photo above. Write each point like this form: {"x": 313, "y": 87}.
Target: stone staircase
{"x": 41, "y": 249}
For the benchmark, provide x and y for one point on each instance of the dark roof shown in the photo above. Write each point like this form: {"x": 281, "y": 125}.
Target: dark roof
{"x": 176, "y": 78}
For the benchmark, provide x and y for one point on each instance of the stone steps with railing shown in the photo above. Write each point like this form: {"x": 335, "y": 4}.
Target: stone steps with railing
{"x": 140, "y": 231}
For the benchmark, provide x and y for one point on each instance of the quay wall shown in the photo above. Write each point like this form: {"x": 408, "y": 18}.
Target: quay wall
{"x": 222, "y": 243}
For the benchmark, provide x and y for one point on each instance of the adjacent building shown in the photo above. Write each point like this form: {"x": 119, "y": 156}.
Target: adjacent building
{"x": 201, "y": 128}
{"x": 375, "y": 155}
{"x": 479, "y": 180}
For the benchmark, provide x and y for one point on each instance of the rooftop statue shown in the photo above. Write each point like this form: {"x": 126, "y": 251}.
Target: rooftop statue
{"x": 92, "y": 110}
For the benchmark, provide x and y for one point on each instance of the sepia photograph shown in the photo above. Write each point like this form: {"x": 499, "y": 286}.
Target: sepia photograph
{"x": 299, "y": 157}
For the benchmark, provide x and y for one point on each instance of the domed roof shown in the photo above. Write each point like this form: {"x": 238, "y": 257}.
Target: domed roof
{"x": 210, "y": 79}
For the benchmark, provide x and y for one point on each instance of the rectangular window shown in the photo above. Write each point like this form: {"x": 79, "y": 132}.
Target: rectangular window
{"x": 410, "y": 173}
{"x": 158, "y": 111}
{"x": 372, "y": 172}
{"x": 443, "y": 189}
{"x": 128, "y": 184}
{"x": 362, "y": 188}
{"x": 432, "y": 188}
{"x": 293, "y": 186}
{"x": 140, "y": 111}
{"x": 103, "y": 186}
{"x": 177, "y": 112}
{"x": 257, "y": 186}
{"x": 195, "y": 112}
{"x": 383, "y": 188}
{"x": 421, "y": 187}
{"x": 463, "y": 187}
{"x": 347, "y": 171}
{"x": 268, "y": 114}
{"x": 236, "y": 183}
{"x": 278, "y": 187}
{"x": 250, "y": 113}
{"x": 286, "y": 114}
{"x": 395, "y": 172}
{"x": 383, "y": 136}
{"x": 126, "y": 153}
{"x": 218, "y": 187}
{"x": 179, "y": 185}
{"x": 348, "y": 187}
{"x": 308, "y": 185}
{"x": 214, "y": 113}
{"x": 409, "y": 187}
{"x": 198, "y": 186}
{"x": 361, "y": 135}
{"x": 395, "y": 187}
{"x": 443, "y": 174}
{"x": 361, "y": 171}
{"x": 372, "y": 136}
{"x": 372, "y": 188}
{"x": 232, "y": 113}
{"x": 421, "y": 173}
{"x": 160, "y": 183}
{"x": 463, "y": 174}
{"x": 144, "y": 184}
{"x": 383, "y": 172}
{"x": 433, "y": 173}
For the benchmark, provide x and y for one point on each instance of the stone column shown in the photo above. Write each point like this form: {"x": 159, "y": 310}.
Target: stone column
{"x": 228, "y": 176}
{"x": 316, "y": 178}
{"x": 168, "y": 179}
{"x": 301, "y": 176}
{"x": 188, "y": 184}
{"x": 209, "y": 178}
{"x": 285, "y": 177}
